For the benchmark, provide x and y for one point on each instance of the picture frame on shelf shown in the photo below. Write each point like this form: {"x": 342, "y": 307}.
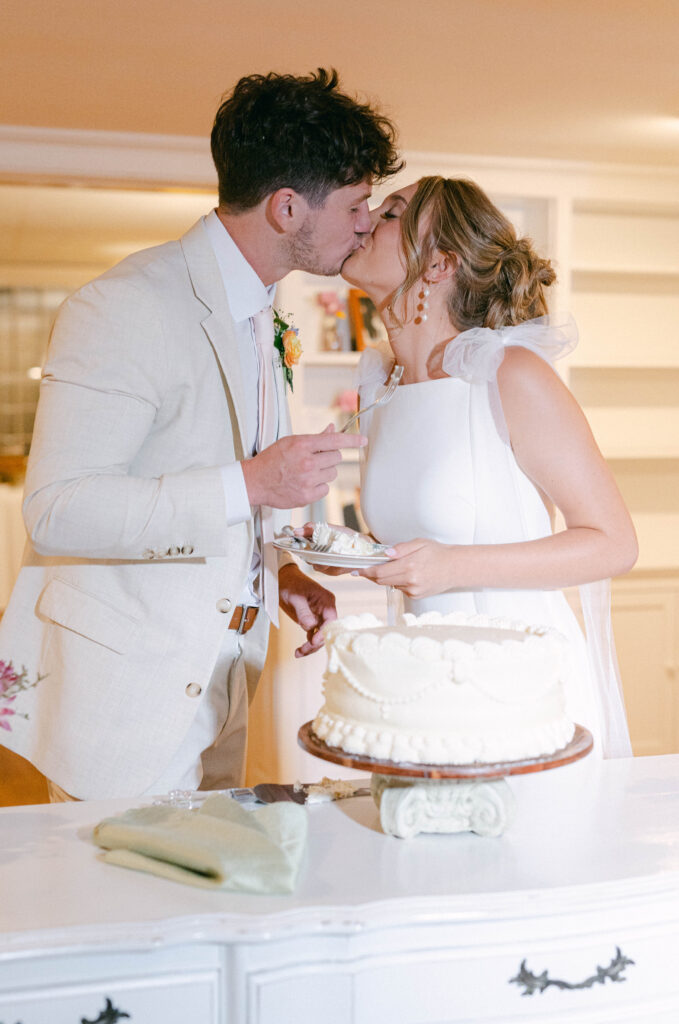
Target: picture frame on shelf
{"x": 367, "y": 328}
{"x": 335, "y": 330}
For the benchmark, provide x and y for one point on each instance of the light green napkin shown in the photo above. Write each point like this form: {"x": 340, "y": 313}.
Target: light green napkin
{"x": 219, "y": 846}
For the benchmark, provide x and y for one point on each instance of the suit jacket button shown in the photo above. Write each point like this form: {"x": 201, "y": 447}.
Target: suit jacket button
{"x": 187, "y": 549}
{"x": 193, "y": 690}
{"x": 224, "y": 605}
{"x": 149, "y": 553}
{"x": 174, "y": 551}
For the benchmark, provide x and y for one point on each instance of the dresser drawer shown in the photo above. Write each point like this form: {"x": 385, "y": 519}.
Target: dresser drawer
{"x": 172, "y": 999}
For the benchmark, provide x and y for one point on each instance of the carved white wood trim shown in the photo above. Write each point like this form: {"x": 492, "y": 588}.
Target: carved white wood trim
{"x": 90, "y": 157}
{"x": 69, "y": 155}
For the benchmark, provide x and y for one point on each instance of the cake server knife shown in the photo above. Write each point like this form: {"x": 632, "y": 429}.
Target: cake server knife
{"x": 271, "y": 792}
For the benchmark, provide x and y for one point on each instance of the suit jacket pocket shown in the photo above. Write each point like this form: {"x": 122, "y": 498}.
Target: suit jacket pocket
{"x": 87, "y": 615}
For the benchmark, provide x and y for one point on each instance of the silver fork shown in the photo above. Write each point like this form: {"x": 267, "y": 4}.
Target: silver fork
{"x": 392, "y": 384}
{"x": 304, "y": 542}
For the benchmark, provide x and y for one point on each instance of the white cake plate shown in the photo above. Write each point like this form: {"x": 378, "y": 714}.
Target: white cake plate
{"x": 447, "y": 798}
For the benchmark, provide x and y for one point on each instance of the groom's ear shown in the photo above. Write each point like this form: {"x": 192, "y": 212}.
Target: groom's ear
{"x": 287, "y": 210}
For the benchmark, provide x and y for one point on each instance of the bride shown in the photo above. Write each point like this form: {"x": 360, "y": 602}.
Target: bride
{"x": 482, "y": 441}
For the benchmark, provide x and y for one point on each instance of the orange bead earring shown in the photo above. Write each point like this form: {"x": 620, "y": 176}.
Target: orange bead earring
{"x": 422, "y": 306}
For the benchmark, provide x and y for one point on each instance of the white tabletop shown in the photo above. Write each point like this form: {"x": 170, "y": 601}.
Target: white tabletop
{"x": 604, "y": 826}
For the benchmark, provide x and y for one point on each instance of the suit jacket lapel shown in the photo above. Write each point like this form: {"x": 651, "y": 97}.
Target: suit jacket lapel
{"x": 208, "y": 287}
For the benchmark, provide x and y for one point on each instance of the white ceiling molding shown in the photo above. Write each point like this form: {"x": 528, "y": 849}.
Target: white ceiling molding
{"x": 538, "y": 177}
{"x": 92, "y": 157}
{"x": 60, "y": 156}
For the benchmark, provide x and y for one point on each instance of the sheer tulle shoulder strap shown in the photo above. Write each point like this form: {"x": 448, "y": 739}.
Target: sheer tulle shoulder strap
{"x": 476, "y": 354}
{"x": 373, "y": 368}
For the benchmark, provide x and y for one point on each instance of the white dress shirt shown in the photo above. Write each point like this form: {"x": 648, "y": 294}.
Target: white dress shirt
{"x": 246, "y": 295}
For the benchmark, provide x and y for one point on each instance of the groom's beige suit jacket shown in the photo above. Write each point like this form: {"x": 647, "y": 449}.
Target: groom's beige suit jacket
{"x": 131, "y": 576}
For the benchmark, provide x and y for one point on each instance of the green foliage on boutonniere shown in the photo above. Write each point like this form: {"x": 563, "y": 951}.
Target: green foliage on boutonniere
{"x": 286, "y": 340}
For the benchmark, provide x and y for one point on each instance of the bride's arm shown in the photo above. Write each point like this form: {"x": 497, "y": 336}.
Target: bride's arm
{"x": 554, "y": 446}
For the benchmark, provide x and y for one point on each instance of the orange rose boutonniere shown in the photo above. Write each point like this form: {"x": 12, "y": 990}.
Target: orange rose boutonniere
{"x": 286, "y": 340}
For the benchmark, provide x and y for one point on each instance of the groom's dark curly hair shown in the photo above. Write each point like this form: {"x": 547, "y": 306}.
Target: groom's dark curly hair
{"x": 275, "y": 131}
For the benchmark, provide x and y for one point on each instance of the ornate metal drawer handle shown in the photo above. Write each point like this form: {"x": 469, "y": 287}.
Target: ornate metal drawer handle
{"x": 539, "y": 982}
{"x": 109, "y": 1015}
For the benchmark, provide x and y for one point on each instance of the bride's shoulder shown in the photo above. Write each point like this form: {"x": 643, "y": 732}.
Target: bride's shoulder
{"x": 518, "y": 357}
{"x": 524, "y": 373}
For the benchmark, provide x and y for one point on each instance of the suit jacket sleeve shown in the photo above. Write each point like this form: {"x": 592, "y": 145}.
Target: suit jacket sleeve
{"x": 104, "y": 393}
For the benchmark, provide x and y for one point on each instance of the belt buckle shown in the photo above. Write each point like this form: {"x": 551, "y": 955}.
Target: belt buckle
{"x": 242, "y": 625}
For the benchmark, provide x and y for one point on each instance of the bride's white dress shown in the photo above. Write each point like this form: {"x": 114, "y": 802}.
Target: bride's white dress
{"x": 439, "y": 465}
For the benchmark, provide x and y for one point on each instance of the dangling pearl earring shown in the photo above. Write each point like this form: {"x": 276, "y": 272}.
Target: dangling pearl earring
{"x": 422, "y": 303}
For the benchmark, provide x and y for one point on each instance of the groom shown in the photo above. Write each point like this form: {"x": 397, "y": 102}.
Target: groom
{"x": 138, "y": 625}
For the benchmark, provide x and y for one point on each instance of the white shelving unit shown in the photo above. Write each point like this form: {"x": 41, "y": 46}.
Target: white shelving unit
{"x": 625, "y": 296}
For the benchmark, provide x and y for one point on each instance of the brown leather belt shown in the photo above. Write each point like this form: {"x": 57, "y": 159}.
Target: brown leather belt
{"x": 244, "y": 617}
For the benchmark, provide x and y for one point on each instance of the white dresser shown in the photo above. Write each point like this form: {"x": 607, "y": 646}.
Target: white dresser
{"x": 584, "y": 885}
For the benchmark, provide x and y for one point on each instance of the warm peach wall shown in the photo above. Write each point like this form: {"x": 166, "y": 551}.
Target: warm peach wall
{"x": 575, "y": 80}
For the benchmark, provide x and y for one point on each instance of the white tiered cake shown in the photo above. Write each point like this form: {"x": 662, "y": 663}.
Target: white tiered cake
{"x": 444, "y": 689}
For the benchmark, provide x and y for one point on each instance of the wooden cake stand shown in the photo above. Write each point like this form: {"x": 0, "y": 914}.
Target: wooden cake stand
{"x": 416, "y": 798}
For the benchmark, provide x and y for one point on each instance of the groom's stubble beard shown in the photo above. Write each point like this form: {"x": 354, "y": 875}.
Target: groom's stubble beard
{"x": 304, "y": 254}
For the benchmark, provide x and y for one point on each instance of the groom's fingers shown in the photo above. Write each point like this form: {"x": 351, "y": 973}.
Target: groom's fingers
{"x": 313, "y": 643}
{"x": 331, "y": 440}
{"x": 296, "y": 470}
{"x": 327, "y": 459}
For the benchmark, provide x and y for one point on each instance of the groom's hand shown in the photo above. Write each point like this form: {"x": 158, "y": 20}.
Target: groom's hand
{"x": 297, "y": 470}
{"x": 307, "y": 603}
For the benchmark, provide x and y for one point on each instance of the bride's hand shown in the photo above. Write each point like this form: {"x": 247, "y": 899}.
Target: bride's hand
{"x": 420, "y": 568}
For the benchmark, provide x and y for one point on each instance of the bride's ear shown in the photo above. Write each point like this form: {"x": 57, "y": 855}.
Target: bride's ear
{"x": 442, "y": 267}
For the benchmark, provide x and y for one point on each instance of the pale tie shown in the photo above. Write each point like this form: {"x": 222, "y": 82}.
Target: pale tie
{"x": 268, "y": 426}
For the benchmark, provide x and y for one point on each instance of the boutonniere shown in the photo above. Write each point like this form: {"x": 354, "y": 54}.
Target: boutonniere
{"x": 286, "y": 340}
{"x": 13, "y": 682}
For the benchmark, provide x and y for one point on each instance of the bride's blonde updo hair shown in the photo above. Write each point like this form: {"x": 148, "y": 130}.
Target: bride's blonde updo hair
{"x": 499, "y": 278}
